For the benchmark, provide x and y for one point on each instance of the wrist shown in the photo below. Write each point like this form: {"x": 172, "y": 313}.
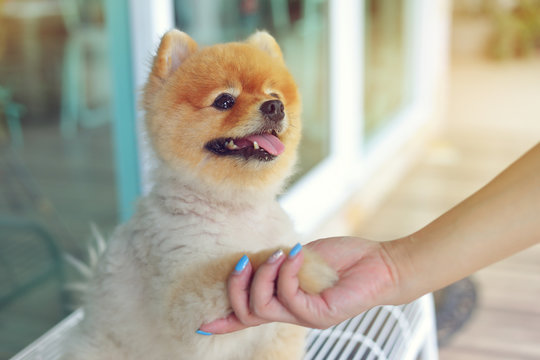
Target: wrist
{"x": 407, "y": 277}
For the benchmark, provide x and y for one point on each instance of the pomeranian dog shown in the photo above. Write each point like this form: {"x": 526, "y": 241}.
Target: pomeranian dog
{"x": 224, "y": 123}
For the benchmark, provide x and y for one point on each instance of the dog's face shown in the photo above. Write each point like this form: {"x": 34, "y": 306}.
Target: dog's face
{"x": 229, "y": 113}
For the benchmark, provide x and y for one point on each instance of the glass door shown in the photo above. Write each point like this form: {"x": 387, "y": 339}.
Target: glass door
{"x": 59, "y": 150}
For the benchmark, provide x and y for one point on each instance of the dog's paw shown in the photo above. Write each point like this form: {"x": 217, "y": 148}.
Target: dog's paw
{"x": 315, "y": 274}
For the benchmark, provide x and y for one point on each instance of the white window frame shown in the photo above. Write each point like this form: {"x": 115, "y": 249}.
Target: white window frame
{"x": 351, "y": 160}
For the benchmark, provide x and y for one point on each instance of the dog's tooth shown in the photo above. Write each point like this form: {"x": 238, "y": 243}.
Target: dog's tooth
{"x": 256, "y": 145}
{"x": 231, "y": 145}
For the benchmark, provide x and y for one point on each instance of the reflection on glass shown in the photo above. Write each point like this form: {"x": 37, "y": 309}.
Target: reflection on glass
{"x": 385, "y": 61}
{"x": 56, "y": 166}
{"x": 301, "y": 29}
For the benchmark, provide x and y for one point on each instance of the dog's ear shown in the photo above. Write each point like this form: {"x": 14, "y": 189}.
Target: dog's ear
{"x": 175, "y": 47}
{"x": 265, "y": 42}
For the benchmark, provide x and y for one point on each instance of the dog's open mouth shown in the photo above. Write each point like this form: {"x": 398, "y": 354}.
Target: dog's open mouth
{"x": 262, "y": 147}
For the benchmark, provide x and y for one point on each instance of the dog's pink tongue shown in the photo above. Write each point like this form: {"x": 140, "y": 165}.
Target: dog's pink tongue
{"x": 268, "y": 142}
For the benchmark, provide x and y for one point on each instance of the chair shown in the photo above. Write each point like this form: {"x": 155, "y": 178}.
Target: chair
{"x": 10, "y": 114}
{"x": 85, "y": 72}
{"x": 28, "y": 257}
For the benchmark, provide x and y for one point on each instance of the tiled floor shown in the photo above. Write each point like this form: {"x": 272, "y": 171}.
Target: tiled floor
{"x": 493, "y": 117}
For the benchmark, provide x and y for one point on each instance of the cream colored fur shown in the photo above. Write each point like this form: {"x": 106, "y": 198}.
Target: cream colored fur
{"x": 164, "y": 272}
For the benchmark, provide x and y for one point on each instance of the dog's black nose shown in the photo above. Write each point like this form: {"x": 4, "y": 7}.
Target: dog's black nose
{"x": 273, "y": 110}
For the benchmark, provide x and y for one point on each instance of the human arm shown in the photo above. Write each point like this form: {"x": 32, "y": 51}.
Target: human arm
{"x": 499, "y": 220}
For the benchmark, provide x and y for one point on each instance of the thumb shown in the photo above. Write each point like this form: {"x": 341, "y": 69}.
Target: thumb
{"x": 224, "y": 325}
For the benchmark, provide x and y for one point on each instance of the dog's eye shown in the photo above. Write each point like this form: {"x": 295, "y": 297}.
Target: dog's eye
{"x": 224, "y": 101}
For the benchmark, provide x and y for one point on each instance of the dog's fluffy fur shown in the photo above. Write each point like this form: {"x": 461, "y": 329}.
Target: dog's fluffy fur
{"x": 164, "y": 272}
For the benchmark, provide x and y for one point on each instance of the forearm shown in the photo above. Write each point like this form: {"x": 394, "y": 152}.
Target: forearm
{"x": 499, "y": 220}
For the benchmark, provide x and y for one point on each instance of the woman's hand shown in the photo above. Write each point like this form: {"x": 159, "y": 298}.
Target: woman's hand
{"x": 367, "y": 277}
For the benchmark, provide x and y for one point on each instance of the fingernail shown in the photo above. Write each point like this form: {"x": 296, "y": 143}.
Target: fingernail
{"x": 275, "y": 256}
{"x": 241, "y": 264}
{"x": 200, "y": 332}
{"x": 295, "y": 250}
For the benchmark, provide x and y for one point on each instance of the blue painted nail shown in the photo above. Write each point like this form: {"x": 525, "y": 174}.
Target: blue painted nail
{"x": 295, "y": 250}
{"x": 200, "y": 332}
{"x": 242, "y": 263}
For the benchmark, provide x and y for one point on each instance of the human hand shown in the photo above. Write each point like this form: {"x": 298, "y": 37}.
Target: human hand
{"x": 367, "y": 277}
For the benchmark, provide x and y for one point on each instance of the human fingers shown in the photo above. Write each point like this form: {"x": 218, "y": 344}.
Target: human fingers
{"x": 263, "y": 303}
{"x": 308, "y": 310}
{"x": 238, "y": 288}
{"x": 252, "y": 297}
{"x": 238, "y": 285}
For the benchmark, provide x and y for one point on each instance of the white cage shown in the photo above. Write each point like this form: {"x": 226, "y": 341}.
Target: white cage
{"x": 383, "y": 333}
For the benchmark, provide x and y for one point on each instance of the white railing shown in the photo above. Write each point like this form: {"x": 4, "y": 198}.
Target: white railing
{"x": 404, "y": 332}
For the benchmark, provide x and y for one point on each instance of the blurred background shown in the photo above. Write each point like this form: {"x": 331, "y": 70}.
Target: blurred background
{"x": 409, "y": 107}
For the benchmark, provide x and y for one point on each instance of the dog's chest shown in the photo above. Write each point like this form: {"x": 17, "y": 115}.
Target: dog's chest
{"x": 185, "y": 226}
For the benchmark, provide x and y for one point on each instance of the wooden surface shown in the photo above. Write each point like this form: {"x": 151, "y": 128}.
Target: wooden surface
{"x": 493, "y": 117}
